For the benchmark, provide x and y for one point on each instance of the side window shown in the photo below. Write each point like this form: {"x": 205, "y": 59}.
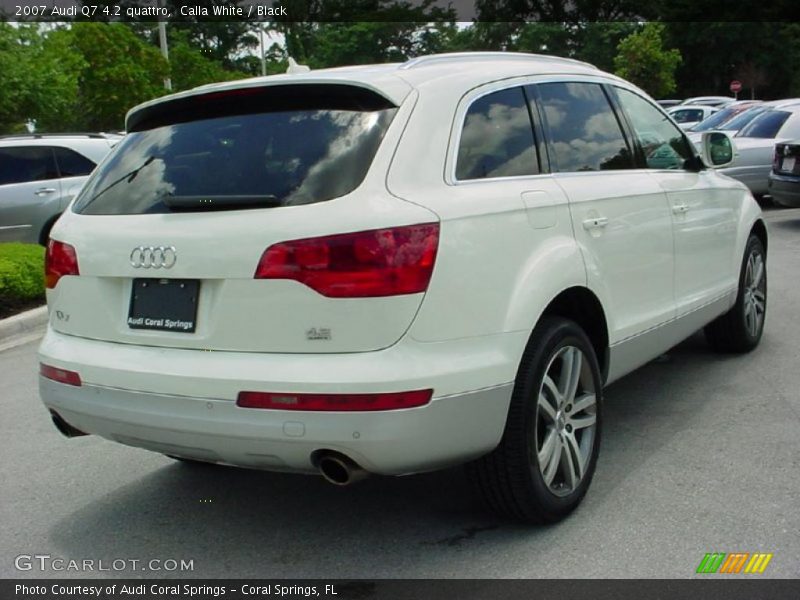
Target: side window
{"x": 663, "y": 144}
{"x": 26, "y": 163}
{"x": 497, "y": 138}
{"x": 584, "y": 132}
{"x": 72, "y": 164}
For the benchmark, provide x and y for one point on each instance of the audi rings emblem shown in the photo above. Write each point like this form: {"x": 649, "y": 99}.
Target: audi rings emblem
{"x": 153, "y": 257}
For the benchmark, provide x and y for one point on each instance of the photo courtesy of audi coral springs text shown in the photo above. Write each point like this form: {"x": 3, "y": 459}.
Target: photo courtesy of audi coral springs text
{"x": 395, "y": 268}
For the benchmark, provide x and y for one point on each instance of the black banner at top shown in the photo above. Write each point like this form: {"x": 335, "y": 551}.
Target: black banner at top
{"x": 428, "y": 11}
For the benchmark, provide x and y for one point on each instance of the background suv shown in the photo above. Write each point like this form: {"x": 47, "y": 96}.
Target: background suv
{"x": 39, "y": 175}
{"x": 392, "y": 269}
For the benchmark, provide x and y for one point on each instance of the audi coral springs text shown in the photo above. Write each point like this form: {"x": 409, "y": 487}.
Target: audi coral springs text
{"x": 395, "y": 268}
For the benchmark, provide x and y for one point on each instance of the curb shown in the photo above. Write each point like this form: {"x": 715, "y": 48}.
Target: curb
{"x": 22, "y": 323}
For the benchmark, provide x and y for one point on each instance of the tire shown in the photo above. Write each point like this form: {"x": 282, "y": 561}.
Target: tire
{"x": 740, "y": 329}
{"x": 513, "y": 480}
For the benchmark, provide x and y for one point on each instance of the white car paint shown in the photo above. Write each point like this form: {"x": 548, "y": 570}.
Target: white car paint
{"x": 659, "y": 249}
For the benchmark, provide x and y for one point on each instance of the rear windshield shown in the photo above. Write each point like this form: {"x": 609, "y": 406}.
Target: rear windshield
{"x": 766, "y": 125}
{"x": 256, "y": 160}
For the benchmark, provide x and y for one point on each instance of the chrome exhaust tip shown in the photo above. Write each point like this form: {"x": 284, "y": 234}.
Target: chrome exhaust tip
{"x": 338, "y": 469}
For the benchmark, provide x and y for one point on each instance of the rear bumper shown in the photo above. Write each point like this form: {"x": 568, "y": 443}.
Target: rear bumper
{"x": 785, "y": 189}
{"x": 182, "y": 402}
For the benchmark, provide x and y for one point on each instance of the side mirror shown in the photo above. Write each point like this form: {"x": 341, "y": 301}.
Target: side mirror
{"x": 717, "y": 149}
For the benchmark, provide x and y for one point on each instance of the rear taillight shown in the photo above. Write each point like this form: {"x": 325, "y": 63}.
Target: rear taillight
{"x": 60, "y": 375}
{"x": 59, "y": 260}
{"x": 334, "y": 402}
{"x": 380, "y": 262}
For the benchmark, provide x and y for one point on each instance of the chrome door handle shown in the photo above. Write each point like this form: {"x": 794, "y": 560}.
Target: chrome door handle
{"x": 680, "y": 208}
{"x": 45, "y": 191}
{"x": 595, "y": 223}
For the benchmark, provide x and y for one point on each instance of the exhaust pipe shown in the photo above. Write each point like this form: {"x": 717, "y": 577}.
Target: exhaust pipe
{"x": 339, "y": 469}
{"x": 65, "y": 428}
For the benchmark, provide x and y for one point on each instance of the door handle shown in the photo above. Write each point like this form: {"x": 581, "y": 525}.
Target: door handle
{"x": 680, "y": 208}
{"x": 45, "y": 191}
{"x": 595, "y": 223}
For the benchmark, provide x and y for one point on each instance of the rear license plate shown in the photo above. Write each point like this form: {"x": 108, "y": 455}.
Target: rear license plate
{"x": 788, "y": 164}
{"x": 164, "y": 304}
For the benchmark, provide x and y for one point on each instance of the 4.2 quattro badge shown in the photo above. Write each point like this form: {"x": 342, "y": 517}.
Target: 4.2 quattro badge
{"x": 153, "y": 257}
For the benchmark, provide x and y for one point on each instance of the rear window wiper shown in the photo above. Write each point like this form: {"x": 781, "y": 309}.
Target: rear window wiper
{"x": 230, "y": 202}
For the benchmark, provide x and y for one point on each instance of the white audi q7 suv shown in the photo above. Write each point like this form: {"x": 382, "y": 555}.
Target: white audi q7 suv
{"x": 394, "y": 268}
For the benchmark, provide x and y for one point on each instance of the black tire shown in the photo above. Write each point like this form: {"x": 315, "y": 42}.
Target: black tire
{"x": 733, "y": 331}
{"x": 510, "y": 479}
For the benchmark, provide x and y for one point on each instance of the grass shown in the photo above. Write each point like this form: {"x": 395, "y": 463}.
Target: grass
{"x": 21, "y": 277}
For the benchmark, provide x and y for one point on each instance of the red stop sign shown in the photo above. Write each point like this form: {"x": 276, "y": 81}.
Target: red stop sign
{"x": 736, "y": 86}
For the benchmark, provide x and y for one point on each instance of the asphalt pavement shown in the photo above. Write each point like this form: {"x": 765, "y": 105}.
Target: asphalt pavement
{"x": 701, "y": 453}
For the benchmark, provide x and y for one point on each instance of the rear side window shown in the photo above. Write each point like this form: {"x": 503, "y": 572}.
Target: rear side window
{"x": 27, "y": 163}
{"x": 585, "y": 134}
{"x": 497, "y": 138}
{"x": 766, "y": 125}
{"x": 72, "y": 164}
{"x": 256, "y": 156}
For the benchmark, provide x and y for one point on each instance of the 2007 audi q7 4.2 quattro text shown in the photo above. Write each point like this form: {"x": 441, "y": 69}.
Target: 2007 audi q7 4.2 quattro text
{"x": 391, "y": 269}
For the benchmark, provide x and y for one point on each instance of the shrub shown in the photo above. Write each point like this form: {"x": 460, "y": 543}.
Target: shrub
{"x": 21, "y": 276}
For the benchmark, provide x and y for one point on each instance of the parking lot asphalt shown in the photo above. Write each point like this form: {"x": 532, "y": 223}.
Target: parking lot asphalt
{"x": 701, "y": 453}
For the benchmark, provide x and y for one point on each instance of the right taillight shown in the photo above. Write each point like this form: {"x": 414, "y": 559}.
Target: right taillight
{"x": 364, "y": 264}
{"x": 59, "y": 260}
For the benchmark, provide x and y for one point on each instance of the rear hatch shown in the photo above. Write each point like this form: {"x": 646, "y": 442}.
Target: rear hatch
{"x": 171, "y": 232}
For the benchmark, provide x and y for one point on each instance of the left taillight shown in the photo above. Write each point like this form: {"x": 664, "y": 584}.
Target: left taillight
{"x": 59, "y": 260}
{"x": 60, "y": 375}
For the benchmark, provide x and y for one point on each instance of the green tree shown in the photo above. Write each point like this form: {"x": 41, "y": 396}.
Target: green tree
{"x": 642, "y": 59}
{"x": 121, "y": 71}
{"x": 20, "y": 92}
{"x": 340, "y": 32}
{"x": 189, "y": 67}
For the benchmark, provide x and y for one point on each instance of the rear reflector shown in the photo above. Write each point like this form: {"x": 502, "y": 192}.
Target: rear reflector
{"x": 334, "y": 402}
{"x": 365, "y": 264}
{"x": 60, "y": 375}
{"x": 59, "y": 260}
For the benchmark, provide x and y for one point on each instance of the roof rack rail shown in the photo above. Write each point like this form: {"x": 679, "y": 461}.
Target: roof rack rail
{"x": 36, "y": 136}
{"x": 473, "y": 56}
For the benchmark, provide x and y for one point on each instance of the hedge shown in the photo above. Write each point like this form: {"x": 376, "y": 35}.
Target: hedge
{"x": 21, "y": 276}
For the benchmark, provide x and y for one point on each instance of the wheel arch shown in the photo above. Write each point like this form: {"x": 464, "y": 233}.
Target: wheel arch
{"x": 581, "y": 305}
{"x": 759, "y": 229}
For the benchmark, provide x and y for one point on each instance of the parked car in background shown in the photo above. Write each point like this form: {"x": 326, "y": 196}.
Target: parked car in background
{"x": 686, "y": 115}
{"x": 709, "y": 100}
{"x": 717, "y": 120}
{"x": 39, "y": 176}
{"x": 393, "y": 269}
{"x": 668, "y": 103}
{"x": 737, "y": 123}
{"x": 755, "y": 145}
{"x": 784, "y": 179}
